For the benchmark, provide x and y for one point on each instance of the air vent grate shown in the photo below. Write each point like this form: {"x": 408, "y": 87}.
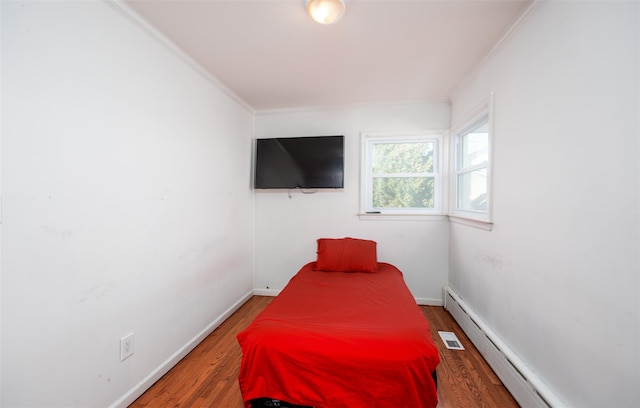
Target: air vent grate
{"x": 451, "y": 340}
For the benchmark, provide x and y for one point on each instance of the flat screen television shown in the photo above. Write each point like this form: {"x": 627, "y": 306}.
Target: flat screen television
{"x": 310, "y": 162}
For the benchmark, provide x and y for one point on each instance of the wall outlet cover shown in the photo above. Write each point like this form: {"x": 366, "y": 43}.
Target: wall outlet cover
{"x": 127, "y": 346}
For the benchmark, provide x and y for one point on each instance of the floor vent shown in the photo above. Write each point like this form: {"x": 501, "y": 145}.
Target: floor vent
{"x": 450, "y": 340}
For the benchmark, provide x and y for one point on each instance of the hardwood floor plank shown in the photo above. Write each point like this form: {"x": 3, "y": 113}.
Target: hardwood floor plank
{"x": 208, "y": 376}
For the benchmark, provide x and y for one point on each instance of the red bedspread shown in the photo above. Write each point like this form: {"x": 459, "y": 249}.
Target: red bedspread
{"x": 340, "y": 339}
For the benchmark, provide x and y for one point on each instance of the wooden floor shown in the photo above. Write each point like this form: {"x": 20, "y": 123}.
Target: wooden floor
{"x": 208, "y": 376}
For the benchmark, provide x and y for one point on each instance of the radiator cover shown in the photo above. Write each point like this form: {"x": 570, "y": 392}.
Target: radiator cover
{"x": 522, "y": 383}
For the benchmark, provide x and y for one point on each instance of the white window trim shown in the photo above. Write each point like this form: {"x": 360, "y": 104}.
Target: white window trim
{"x": 472, "y": 218}
{"x": 440, "y": 193}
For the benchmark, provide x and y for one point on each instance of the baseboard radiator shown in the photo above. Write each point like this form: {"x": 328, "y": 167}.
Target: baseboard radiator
{"x": 522, "y": 383}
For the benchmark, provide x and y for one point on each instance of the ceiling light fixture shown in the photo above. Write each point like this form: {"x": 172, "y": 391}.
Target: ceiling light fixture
{"x": 325, "y": 11}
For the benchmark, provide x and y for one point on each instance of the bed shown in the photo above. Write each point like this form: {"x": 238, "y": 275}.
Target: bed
{"x": 344, "y": 332}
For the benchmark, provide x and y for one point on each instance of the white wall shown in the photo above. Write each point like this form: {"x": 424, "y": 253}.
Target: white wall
{"x": 126, "y": 203}
{"x": 287, "y": 228}
{"x": 557, "y": 278}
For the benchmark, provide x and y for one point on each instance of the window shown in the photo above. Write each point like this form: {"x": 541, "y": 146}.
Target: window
{"x": 472, "y": 169}
{"x": 401, "y": 174}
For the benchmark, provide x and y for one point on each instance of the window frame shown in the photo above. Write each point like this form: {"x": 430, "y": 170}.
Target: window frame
{"x": 368, "y": 139}
{"x": 481, "y": 114}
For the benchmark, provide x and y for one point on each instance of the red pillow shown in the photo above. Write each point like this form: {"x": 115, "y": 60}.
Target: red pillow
{"x": 346, "y": 255}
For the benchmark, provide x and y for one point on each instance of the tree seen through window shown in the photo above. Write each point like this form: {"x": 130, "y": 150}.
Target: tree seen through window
{"x": 403, "y": 174}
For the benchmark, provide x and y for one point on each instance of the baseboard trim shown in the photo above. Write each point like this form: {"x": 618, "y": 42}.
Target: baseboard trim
{"x": 135, "y": 392}
{"x": 266, "y": 292}
{"x": 525, "y": 386}
{"x": 428, "y": 301}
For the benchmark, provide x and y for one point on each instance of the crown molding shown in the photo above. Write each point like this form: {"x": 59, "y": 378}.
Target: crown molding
{"x": 121, "y": 8}
{"x": 442, "y": 100}
{"x": 506, "y": 38}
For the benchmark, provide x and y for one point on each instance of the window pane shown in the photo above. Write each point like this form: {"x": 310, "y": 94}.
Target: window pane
{"x": 403, "y": 192}
{"x": 472, "y": 190}
{"x": 474, "y": 146}
{"x": 409, "y": 157}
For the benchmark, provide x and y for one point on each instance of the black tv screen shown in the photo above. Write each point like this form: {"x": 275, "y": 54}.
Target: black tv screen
{"x": 300, "y": 162}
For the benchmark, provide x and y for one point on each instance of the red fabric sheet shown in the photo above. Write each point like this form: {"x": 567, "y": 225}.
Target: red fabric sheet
{"x": 341, "y": 339}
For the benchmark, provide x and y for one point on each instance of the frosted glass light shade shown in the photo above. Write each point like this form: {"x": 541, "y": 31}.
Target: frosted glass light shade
{"x": 325, "y": 11}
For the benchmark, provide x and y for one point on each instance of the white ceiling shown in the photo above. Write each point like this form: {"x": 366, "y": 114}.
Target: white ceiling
{"x": 272, "y": 55}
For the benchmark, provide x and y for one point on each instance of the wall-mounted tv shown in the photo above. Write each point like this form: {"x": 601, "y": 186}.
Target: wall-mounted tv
{"x": 310, "y": 162}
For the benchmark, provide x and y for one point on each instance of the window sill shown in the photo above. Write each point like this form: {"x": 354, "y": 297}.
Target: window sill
{"x": 401, "y": 217}
{"x": 471, "y": 222}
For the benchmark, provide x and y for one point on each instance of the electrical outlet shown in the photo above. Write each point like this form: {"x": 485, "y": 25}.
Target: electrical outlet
{"x": 127, "y": 346}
